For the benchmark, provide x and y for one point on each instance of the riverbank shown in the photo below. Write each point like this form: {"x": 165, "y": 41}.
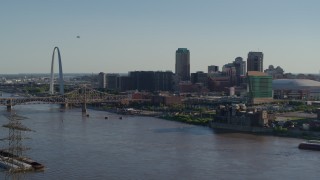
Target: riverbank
{"x": 195, "y": 120}
{"x": 281, "y": 132}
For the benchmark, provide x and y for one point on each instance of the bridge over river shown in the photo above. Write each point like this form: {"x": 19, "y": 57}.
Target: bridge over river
{"x": 81, "y": 96}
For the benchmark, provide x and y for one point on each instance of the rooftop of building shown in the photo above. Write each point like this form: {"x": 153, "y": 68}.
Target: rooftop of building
{"x": 256, "y": 73}
{"x": 255, "y": 52}
{"x": 182, "y": 50}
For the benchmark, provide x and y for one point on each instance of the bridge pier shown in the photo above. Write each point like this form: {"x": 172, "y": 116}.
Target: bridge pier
{"x": 84, "y": 108}
{"x": 64, "y": 106}
{"x": 9, "y": 108}
{"x": 9, "y": 105}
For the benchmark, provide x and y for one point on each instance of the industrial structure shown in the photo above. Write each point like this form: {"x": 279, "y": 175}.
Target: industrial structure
{"x": 80, "y": 96}
{"x": 12, "y": 158}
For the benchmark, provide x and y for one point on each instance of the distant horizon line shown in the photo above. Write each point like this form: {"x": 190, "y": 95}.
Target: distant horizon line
{"x": 118, "y": 73}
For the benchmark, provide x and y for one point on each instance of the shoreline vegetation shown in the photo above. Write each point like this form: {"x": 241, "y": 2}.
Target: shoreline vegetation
{"x": 187, "y": 119}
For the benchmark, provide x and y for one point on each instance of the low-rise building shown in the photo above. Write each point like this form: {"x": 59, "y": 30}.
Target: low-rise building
{"x": 241, "y": 116}
{"x": 166, "y": 100}
{"x": 296, "y": 89}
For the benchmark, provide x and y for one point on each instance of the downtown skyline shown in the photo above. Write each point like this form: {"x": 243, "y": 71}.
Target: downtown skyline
{"x": 122, "y": 36}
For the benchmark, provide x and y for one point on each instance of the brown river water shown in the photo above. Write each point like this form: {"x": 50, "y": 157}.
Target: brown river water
{"x": 75, "y": 147}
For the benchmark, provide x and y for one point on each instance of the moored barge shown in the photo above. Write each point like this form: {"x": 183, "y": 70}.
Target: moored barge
{"x": 15, "y": 163}
{"x": 310, "y": 145}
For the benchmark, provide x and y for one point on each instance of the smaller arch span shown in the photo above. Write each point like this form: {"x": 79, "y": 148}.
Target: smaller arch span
{"x": 61, "y": 83}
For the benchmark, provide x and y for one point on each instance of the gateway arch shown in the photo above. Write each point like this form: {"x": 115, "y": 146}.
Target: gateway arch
{"x": 51, "y": 91}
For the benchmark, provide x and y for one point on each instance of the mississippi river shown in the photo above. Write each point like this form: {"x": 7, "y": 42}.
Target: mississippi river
{"x": 75, "y": 147}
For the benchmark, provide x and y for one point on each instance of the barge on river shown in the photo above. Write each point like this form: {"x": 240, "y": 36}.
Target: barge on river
{"x": 310, "y": 145}
{"x": 16, "y": 164}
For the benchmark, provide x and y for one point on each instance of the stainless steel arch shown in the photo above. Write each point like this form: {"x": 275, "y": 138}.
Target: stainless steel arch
{"x": 60, "y": 73}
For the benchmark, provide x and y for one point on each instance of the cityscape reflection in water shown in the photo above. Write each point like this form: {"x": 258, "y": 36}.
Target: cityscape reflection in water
{"x": 75, "y": 147}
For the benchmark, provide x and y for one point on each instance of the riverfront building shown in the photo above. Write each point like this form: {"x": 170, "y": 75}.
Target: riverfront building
{"x": 238, "y": 117}
{"x": 183, "y": 64}
{"x": 259, "y": 87}
{"x": 255, "y": 61}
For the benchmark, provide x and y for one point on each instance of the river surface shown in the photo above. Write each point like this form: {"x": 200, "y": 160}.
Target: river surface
{"x": 75, "y": 147}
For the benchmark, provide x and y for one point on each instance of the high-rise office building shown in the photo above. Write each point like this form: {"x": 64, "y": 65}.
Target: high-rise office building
{"x": 142, "y": 80}
{"x": 163, "y": 81}
{"x": 200, "y": 77}
{"x": 151, "y": 81}
{"x": 242, "y": 66}
{"x": 112, "y": 83}
{"x": 183, "y": 64}
{"x": 241, "y": 69}
{"x": 259, "y": 87}
{"x": 255, "y": 61}
{"x": 102, "y": 80}
{"x": 213, "y": 69}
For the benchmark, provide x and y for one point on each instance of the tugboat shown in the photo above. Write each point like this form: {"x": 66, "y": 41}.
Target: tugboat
{"x": 310, "y": 145}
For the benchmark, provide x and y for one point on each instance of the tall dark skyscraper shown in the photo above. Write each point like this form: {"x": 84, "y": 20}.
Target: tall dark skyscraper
{"x": 255, "y": 61}
{"x": 242, "y": 66}
{"x": 183, "y": 64}
{"x": 102, "y": 80}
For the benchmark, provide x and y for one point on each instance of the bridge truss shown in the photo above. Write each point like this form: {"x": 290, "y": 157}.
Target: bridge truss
{"x": 78, "y": 96}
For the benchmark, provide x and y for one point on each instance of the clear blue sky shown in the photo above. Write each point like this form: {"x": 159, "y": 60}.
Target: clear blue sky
{"x": 126, "y": 35}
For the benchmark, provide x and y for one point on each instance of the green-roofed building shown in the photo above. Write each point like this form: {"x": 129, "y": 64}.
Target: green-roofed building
{"x": 259, "y": 87}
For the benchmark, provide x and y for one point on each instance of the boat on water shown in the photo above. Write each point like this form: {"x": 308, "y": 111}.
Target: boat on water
{"x": 11, "y": 158}
{"x": 16, "y": 163}
{"x": 310, "y": 145}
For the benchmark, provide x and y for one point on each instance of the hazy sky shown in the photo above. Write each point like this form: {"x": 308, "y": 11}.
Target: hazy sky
{"x": 128, "y": 35}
